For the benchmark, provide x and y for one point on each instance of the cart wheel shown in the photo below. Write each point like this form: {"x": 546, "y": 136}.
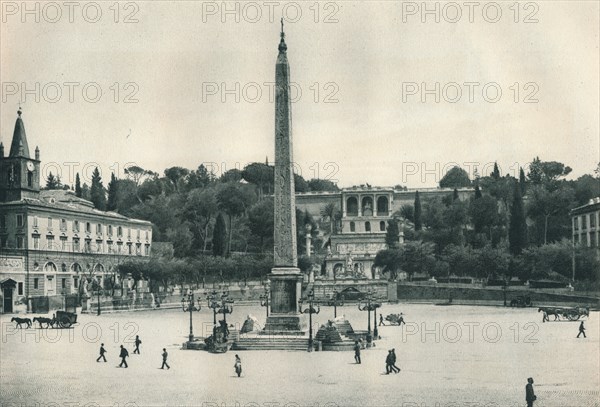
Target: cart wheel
{"x": 65, "y": 323}
{"x": 573, "y": 317}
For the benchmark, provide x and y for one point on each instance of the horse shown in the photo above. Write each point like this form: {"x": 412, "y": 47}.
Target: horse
{"x": 557, "y": 312}
{"x": 42, "y": 320}
{"x": 584, "y": 311}
{"x": 20, "y": 321}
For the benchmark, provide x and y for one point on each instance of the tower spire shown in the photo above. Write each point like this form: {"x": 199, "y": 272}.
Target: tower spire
{"x": 19, "y": 145}
{"x": 282, "y": 44}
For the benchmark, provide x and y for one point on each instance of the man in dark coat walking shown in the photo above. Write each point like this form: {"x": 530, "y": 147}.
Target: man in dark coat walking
{"x": 581, "y": 330}
{"x": 393, "y": 366}
{"x": 388, "y": 362}
{"x": 123, "y": 355}
{"x": 102, "y": 352}
{"x": 165, "y": 355}
{"x": 530, "y": 396}
{"x": 138, "y": 342}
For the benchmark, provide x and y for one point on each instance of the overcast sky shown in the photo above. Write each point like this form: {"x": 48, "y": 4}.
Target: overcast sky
{"x": 175, "y": 62}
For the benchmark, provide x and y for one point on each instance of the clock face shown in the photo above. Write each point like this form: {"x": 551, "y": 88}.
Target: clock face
{"x": 30, "y": 166}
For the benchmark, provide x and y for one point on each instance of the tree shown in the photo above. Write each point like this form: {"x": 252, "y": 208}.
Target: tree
{"x": 233, "y": 199}
{"x": 517, "y": 232}
{"x": 219, "y": 240}
{"x": 137, "y": 173}
{"x": 322, "y": 185}
{"x": 300, "y": 184}
{"x": 97, "y": 193}
{"x": 496, "y": 172}
{"x": 200, "y": 178}
{"x": 391, "y": 234}
{"x": 417, "y": 212}
{"x": 177, "y": 176}
{"x": 181, "y": 237}
{"x": 547, "y": 172}
{"x": 260, "y": 223}
{"x": 261, "y": 175}
{"x": 477, "y": 192}
{"x": 233, "y": 175}
{"x": 85, "y": 192}
{"x": 111, "y": 204}
{"x": 455, "y": 194}
{"x": 52, "y": 182}
{"x": 484, "y": 213}
{"x": 522, "y": 181}
{"x": 407, "y": 212}
{"x": 329, "y": 213}
{"x": 390, "y": 261}
{"x": 199, "y": 209}
{"x": 456, "y": 177}
{"x": 78, "y": 192}
{"x": 544, "y": 204}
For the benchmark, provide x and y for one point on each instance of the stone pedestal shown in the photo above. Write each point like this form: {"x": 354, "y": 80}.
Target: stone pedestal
{"x": 286, "y": 289}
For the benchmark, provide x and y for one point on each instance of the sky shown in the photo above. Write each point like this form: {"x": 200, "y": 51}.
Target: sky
{"x": 180, "y": 83}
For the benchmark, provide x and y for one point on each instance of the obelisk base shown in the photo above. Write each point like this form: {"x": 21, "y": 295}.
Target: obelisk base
{"x": 286, "y": 290}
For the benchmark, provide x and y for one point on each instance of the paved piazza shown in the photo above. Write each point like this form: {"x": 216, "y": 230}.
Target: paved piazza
{"x": 449, "y": 356}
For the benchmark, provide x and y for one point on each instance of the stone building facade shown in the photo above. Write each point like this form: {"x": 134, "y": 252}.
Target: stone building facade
{"x": 586, "y": 224}
{"x": 51, "y": 241}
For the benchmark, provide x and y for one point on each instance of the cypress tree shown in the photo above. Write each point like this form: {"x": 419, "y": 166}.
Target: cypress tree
{"x": 219, "y": 240}
{"x": 97, "y": 194}
{"x": 517, "y": 232}
{"x": 77, "y": 186}
{"x": 51, "y": 181}
{"x": 477, "y": 192}
{"x": 392, "y": 233}
{"x": 496, "y": 172}
{"x": 417, "y": 214}
{"x": 522, "y": 181}
{"x": 111, "y": 204}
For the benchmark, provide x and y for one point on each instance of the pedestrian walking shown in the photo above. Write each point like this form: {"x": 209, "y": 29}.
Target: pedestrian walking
{"x": 102, "y": 352}
{"x": 545, "y": 318}
{"x": 123, "y": 354}
{"x": 357, "y": 352}
{"x": 381, "y": 320}
{"x": 401, "y": 320}
{"x": 530, "y": 396}
{"x": 238, "y": 365}
{"x": 388, "y": 362}
{"x": 138, "y": 342}
{"x": 581, "y": 330}
{"x": 164, "y": 356}
{"x": 395, "y": 368}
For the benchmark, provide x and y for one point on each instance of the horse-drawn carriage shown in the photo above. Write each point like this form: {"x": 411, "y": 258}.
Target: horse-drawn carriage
{"x": 521, "y": 302}
{"x": 570, "y": 313}
{"x": 395, "y": 319}
{"x": 62, "y": 319}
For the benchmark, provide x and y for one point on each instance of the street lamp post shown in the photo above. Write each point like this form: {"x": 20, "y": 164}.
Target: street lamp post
{"x": 213, "y": 304}
{"x": 226, "y": 307}
{"x": 375, "y": 305}
{"x": 190, "y": 307}
{"x": 367, "y": 307}
{"x": 98, "y": 301}
{"x": 336, "y": 301}
{"x": 310, "y": 310}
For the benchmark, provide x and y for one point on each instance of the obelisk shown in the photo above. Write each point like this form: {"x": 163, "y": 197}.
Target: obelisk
{"x": 285, "y": 277}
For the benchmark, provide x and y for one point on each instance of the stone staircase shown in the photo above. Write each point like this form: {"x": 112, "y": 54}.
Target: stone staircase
{"x": 271, "y": 343}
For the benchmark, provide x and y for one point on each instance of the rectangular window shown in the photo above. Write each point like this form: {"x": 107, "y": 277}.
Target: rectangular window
{"x": 3, "y": 241}
{"x": 36, "y": 242}
{"x": 592, "y": 220}
{"x": 576, "y": 223}
{"x": 88, "y": 246}
{"x": 130, "y": 249}
{"x": 75, "y": 282}
{"x": 99, "y": 229}
{"x": 138, "y": 233}
{"x": 138, "y": 249}
{"x": 88, "y": 227}
{"x": 2, "y": 221}
{"x": 75, "y": 245}
{"x": 63, "y": 283}
{"x": 147, "y": 250}
{"x": 584, "y": 222}
{"x": 593, "y": 239}
{"x": 36, "y": 283}
{"x": 20, "y": 242}
{"x": 20, "y": 288}
{"x": 119, "y": 231}
{"x": 63, "y": 224}
{"x": 19, "y": 220}
{"x": 75, "y": 226}
{"x": 50, "y": 242}
{"x": 99, "y": 246}
{"x": 63, "y": 243}
{"x": 146, "y": 235}
{"x": 129, "y": 233}
{"x": 119, "y": 247}
{"x": 49, "y": 223}
{"x": 35, "y": 221}
{"x": 110, "y": 230}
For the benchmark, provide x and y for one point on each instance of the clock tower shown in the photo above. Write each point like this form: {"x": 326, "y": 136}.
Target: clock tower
{"x": 19, "y": 173}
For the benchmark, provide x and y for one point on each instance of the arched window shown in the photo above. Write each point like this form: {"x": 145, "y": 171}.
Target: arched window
{"x": 352, "y": 206}
{"x": 63, "y": 268}
{"x": 119, "y": 231}
{"x": 29, "y": 179}
{"x": 76, "y": 268}
{"x": 50, "y": 267}
{"x": 367, "y": 226}
{"x": 382, "y": 206}
{"x": 98, "y": 268}
{"x": 382, "y": 226}
{"x": 352, "y": 227}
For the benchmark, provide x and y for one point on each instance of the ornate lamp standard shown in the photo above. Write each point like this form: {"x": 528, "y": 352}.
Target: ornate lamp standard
{"x": 189, "y": 304}
{"x": 226, "y": 307}
{"x": 375, "y": 305}
{"x": 264, "y": 299}
{"x": 310, "y": 310}
{"x": 367, "y": 306}
{"x": 335, "y": 301}
{"x": 214, "y": 304}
